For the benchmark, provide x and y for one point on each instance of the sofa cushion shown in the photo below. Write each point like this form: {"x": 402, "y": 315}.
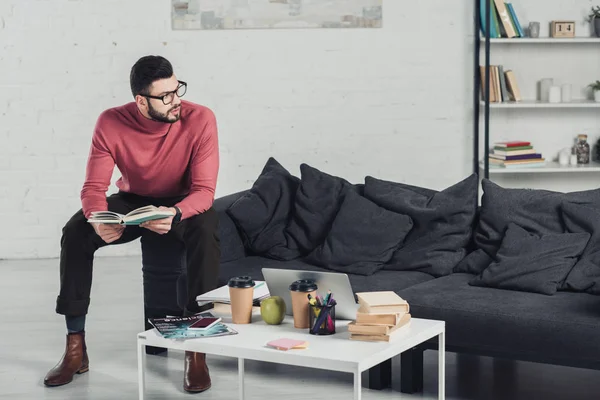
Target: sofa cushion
{"x": 557, "y": 329}
{"x": 263, "y": 213}
{"x": 231, "y": 243}
{"x": 532, "y": 263}
{"x": 363, "y": 237}
{"x": 443, "y": 222}
{"x": 381, "y": 280}
{"x": 585, "y": 275}
{"x": 232, "y": 247}
{"x": 316, "y": 204}
{"x": 535, "y": 210}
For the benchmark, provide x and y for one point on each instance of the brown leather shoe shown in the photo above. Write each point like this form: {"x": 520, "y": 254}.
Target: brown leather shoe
{"x": 74, "y": 361}
{"x": 196, "y": 377}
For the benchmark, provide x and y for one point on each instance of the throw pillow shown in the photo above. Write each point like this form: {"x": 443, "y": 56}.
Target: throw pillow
{"x": 362, "y": 239}
{"x": 443, "y": 222}
{"x": 530, "y": 263}
{"x": 585, "y": 275}
{"x": 316, "y": 204}
{"x": 263, "y": 213}
{"x": 536, "y": 210}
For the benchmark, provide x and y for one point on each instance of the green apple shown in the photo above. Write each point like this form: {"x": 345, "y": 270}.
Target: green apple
{"x": 272, "y": 310}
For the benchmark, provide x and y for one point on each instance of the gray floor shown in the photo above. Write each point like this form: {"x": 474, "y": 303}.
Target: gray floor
{"x": 32, "y": 341}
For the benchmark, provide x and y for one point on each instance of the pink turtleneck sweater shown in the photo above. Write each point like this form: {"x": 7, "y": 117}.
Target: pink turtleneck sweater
{"x": 155, "y": 159}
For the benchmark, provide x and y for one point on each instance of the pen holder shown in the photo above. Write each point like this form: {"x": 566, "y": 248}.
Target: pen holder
{"x": 322, "y": 320}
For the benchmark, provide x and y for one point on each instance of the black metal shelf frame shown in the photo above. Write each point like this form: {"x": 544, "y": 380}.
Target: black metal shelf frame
{"x": 477, "y": 88}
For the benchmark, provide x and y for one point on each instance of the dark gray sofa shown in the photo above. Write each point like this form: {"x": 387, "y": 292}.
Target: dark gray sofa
{"x": 515, "y": 319}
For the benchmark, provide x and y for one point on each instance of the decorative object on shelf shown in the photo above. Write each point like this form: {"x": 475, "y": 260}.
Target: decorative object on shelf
{"x": 594, "y": 18}
{"x": 582, "y": 150}
{"x": 562, "y": 29}
{"x": 566, "y": 95}
{"x": 573, "y": 159}
{"x": 596, "y": 89}
{"x": 564, "y": 156}
{"x": 554, "y": 95}
{"x": 534, "y": 29}
{"x": 544, "y": 89}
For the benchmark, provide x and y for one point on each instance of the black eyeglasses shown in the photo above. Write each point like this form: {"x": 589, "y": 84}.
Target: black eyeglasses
{"x": 168, "y": 98}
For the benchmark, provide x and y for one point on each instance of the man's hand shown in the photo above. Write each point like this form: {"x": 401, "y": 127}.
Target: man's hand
{"x": 109, "y": 232}
{"x": 160, "y": 226}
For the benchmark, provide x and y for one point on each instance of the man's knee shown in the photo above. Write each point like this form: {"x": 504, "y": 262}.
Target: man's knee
{"x": 76, "y": 227}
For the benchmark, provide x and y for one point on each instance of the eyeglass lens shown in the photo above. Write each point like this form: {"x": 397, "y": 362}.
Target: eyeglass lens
{"x": 168, "y": 99}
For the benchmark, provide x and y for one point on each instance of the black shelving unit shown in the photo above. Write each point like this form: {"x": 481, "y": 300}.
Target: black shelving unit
{"x": 477, "y": 88}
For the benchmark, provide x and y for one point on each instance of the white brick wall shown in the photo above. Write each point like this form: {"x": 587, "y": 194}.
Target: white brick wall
{"x": 394, "y": 102}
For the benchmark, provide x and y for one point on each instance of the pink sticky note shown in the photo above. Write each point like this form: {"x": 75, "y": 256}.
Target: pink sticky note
{"x": 286, "y": 344}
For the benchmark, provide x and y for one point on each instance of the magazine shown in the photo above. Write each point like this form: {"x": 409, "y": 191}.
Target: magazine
{"x": 179, "y": 327}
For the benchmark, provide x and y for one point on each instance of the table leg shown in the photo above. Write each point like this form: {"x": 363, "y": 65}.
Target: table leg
{"x": 442, "y": 366}
{"x": 141, "y": 371}
{"x": 241, "y": 377}
{"x": 357, "y": 385}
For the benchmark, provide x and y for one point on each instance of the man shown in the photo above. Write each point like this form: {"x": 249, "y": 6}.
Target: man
{"x": 167, "y": 152}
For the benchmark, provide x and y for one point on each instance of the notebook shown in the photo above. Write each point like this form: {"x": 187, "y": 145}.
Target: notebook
{"x": 221, "y": 295}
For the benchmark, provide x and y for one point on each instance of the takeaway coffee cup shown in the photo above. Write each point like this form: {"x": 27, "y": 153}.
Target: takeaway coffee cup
{"x": 241, "y": 292}
{"x": 299, "y": 291}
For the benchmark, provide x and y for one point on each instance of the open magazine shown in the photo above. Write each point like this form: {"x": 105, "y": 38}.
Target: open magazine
{"x": 179, "y": 327}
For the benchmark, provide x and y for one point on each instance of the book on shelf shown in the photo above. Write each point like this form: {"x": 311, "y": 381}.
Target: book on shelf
{"x": 528, "y": 156}
{"x": 511, "y": 144}
{"x": 503, "y": 84}
{"x": 516, "y": 153}
{"x": 503, "y": 18}
{"x": 135, "y": 217}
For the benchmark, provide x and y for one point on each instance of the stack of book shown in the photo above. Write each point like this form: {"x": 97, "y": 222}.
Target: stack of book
{"x": 515, "y": 154}
{"x": 380, "y": 315}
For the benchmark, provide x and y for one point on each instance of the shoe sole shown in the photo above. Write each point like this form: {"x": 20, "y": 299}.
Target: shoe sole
{"x": 197, "y": 390}
{"x": 78, "y": 372}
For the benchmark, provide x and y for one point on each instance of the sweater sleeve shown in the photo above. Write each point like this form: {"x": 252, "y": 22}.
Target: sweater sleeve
{"x": 99, "y": 170}
{"x": 204, "y": 168}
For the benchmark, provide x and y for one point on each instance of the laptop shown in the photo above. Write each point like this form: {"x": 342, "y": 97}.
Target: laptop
{"x": 279, "y": 280}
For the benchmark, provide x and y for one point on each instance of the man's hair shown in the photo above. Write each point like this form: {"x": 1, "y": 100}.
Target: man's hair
{"x": 147, "y": 70}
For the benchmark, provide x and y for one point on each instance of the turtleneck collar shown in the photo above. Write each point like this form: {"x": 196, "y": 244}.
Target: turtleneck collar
{"x": 147, "y": 125}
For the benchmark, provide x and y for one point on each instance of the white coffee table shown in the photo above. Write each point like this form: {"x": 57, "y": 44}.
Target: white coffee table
{"x": 335, "y": 353}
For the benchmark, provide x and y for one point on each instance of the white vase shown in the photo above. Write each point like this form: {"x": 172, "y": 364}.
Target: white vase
{"x": 597, "y": 95}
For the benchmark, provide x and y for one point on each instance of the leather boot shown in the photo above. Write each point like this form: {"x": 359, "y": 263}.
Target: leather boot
{"x": 74, "y": 361}
{"x": 196, "y": 377}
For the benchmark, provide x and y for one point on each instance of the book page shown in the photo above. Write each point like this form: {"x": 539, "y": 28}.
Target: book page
{"x": 142, "y": 210}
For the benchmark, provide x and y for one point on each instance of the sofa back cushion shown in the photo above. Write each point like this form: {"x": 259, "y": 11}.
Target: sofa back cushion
{"x": 532, "y": 263}
{"x": 263, "y": 213}
{"x": 317, "y": 201}
{"x": 443, "y": 222}
{"x": 585, "y": 275}
{"x": 535, "y": 210}
{"x": 363, "y": 237}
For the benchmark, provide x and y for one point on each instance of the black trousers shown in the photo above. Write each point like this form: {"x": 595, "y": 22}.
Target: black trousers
{"x": 79, "y": 242}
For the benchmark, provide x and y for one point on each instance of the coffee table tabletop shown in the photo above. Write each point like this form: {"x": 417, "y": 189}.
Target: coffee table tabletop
{"x": 334, "y": 352}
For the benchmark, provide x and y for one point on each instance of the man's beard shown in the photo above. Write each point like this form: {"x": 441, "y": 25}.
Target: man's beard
{"x": 163, "y": 117}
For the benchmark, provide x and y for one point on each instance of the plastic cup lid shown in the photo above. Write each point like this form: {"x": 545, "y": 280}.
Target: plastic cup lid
{"x": 241, "y": 282}
{"x": 303, "y": 285}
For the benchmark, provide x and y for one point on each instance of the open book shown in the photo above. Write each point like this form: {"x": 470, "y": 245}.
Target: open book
{"x": 135, "y": 217}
